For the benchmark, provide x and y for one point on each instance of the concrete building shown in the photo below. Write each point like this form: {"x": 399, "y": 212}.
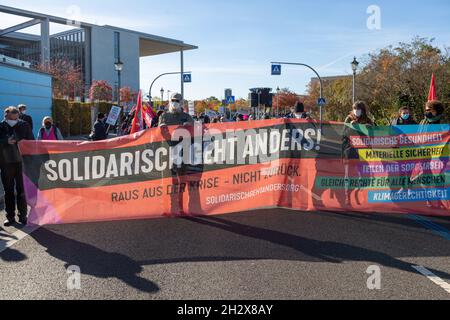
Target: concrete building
{"x": 94, "y": 49}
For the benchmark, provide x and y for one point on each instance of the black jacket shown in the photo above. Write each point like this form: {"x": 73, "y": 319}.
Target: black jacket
{"x": 21, "y": 131}
{"x": 99, "y": 131}
{"x": 28, "y": 119}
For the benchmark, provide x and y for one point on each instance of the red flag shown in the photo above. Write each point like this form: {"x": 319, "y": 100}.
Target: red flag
{"x": 148, "y": 114}
{"x": 136, "y": 126}
{"x": 432, "y": 94}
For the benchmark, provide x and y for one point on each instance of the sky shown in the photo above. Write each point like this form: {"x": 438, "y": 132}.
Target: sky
{"x": 238, "y": 39}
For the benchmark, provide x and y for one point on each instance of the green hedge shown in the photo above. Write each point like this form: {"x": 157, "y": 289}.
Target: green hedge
{"x": 61, "y": 115}
{"x": 74, "y": 118}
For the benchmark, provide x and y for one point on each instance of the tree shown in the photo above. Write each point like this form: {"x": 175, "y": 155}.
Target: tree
{"x": 391, "y": 78}
{"x": 286, "y": 98}
{"x": 338, "y": 94}
{"x": 100, "y": 90}
{"x": 125, "y": 94}
{"x": 67, "y": 78}
{"x": 239, "y": 105}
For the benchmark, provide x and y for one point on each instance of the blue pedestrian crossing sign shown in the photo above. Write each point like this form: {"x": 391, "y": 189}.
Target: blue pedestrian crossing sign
{"x": 321, "y": 102}
{"x": 187, "y": 78}
{"x": 231, "y": 99}
{"x": 276, "y": 69}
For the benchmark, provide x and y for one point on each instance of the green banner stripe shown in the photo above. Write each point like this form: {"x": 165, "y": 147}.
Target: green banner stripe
{"x": 440, "y": 180}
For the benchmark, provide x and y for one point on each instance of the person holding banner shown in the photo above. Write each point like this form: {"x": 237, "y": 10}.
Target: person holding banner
{"x": 13, "y": 130}
{"x": 434, "y": 113}
{"x": 176, "y": 116}
{"x": 358, "y": 116}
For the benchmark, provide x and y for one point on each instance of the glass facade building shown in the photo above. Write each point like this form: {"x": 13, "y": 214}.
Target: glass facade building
{"x": 68, "y": 46}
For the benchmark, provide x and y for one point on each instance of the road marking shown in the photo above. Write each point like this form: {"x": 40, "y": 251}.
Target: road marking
{"x": 427, "y": 223}
{"x": 434, "y": 278}
{"x": 16, "y": 236}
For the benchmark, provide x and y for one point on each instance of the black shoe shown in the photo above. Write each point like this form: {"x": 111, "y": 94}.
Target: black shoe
{"x": 9, "y": 223}
{"x": 23, "y": 221}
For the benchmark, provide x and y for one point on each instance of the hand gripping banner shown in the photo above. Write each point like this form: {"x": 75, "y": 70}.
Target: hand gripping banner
{"x": 232, "y": 167}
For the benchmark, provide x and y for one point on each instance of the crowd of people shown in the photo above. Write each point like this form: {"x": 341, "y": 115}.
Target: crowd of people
{"x": 17, "y": 125}
{"x": 434, "y": 114}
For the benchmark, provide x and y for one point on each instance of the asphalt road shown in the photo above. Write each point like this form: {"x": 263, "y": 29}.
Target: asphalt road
{"x": 269, "y": 254}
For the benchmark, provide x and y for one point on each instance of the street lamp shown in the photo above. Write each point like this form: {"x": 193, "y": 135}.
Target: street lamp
{"x": 278, "y": 101}
{"x": 162, "y": 97}
{"x": 355, "y": 65}
{"x": 119, "y": 67}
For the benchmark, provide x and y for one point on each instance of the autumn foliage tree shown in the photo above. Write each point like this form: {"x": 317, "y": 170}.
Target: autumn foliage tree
{"x": 392, "y": 77}
{"x": 100, "y": 90}
{"x": 67, "y": 78}
{"x": 286, "y": 99}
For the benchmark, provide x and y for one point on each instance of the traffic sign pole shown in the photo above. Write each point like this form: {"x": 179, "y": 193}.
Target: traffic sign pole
{"x": 317, "y": 74}
{"x": 163, "y": 74}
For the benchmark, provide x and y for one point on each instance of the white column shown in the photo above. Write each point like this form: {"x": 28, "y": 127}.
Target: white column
{"x": 45, "y": 41}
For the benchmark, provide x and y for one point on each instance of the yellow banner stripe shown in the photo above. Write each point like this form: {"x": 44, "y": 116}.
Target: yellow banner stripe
{"x": 399, "y": 154}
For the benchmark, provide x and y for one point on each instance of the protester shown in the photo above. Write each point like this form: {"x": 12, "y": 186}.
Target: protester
{"x": 12, "y": 131}
{"x": 49, "y": 131}
{"x": 434, "y": 113}
{"x": 404, "y": 117}
{"x": 206, "y": 119}
{"x": 359, "y": 114}
{"x": 24, "y": 116}
{"x": 290, "y": 115}
{"x": 175, "y": 115}
{"x": 299, "y": 112}
{"x": 99, "y": 132}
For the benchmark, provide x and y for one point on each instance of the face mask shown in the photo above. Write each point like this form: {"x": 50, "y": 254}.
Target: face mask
{"x": 24, "y": 112}
{"x": 405, "y": 116}
{"x": 429, "y": 115}
{"x": 176, "y": 107}
{"x": 357, "y": 113}
{"x": 12, "y": 123}
{"x": 48, "y": 125}
{"x": 433, "y": 119}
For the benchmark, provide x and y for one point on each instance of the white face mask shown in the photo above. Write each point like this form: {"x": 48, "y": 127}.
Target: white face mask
{"x": 24, "y": 112}
{"x": 357, "y": 113}
{"x": 175, "y": 107}
{"x": 12, "y": 123}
